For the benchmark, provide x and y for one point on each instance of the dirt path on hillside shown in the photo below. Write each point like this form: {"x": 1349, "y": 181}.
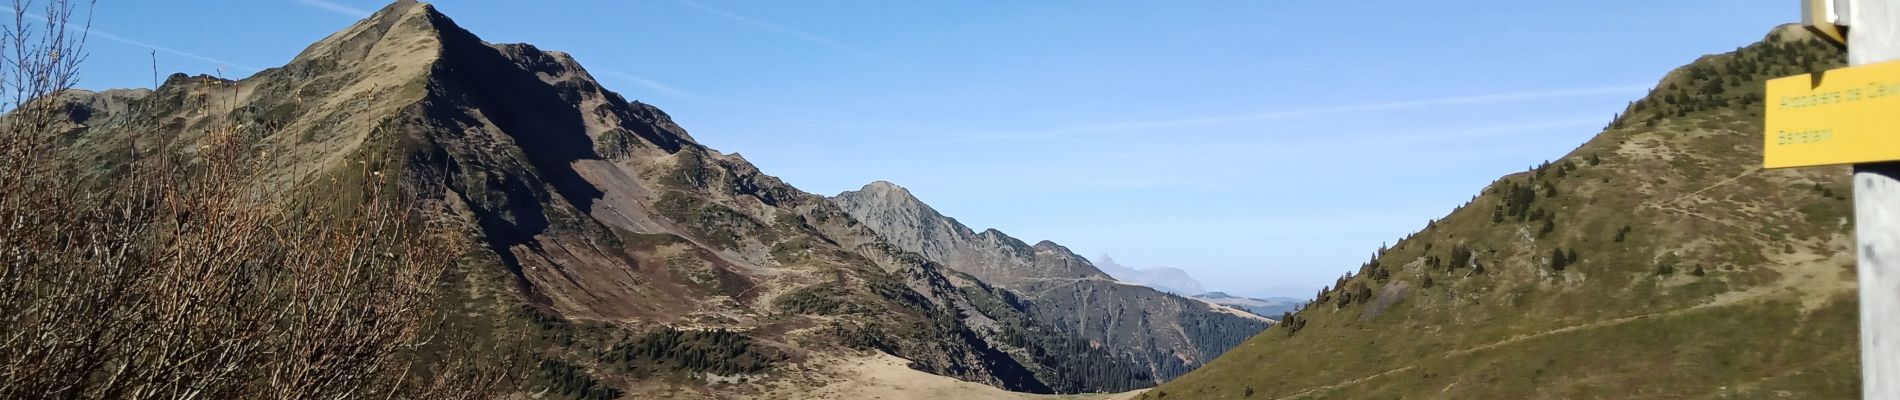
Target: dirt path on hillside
{"x": 1809, "y": 275}
{"x": 1751, "y": 171}
{"x": 885, "y": 377}
{"x": 1309, "y": 392}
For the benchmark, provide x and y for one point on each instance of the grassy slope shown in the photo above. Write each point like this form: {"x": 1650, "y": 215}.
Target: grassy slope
{"x": 1771, "y": 313}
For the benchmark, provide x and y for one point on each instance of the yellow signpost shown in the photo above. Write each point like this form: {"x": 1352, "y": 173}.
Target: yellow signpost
{"x": 1844, "y": 116}
{"x": 1852, "y": 115}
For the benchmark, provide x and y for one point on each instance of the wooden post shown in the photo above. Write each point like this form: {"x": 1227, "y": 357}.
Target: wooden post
{"x": 1874, "y": 37}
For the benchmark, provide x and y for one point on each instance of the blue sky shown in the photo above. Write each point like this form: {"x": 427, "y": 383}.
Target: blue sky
{"x": 1264, "y": 146}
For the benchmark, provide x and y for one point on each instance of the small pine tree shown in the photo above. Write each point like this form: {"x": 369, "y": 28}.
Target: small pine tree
{"x": 1713, "y": 87}
{"x": 1557, "y": 260}
{"x": 1460, "y": 256}
{"x": 1699, "y": 271}
{"x": 1594, "y": 160}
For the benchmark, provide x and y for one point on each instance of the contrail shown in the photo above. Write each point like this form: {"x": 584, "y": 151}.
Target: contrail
{"x": 801, "y": 35}
{"x": 1478, "y": 132}
{"x": 1303, "y": 112}
{"x": 1255, "y": 148}
{"x": 1148, "y": 168}
{"x": 161, "y": 49}
{"x": 93, "y": 32}
{"x": 650, "y": 84}
{"x": 334, "y": 7}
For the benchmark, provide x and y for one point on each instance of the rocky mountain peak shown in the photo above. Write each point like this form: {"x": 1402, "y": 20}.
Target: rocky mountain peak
{"x": 1052, "y": 283}
{"x": 885, "y": 187}
{"x": 403, "y": 22}
{"x": 1788, "y": 33}
{"x": 1050, "y": 246}
{"x": 889, "y": 194}
{"x": 906, "y": 221}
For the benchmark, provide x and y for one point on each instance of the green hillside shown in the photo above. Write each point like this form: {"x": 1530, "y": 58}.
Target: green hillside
{"x": 1657, "y": 260}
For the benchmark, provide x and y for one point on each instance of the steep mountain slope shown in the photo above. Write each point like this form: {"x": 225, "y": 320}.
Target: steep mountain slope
{"x": 1171, "y": 280}
{"x": 632, "y": 259}
{"x": 1164, "y": 333}
{"x": 1658, "y": 260}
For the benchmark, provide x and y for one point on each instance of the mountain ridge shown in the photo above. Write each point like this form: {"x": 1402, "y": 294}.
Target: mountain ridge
{"x": 1169, "y": 334}
{"x": 935, "y": 236}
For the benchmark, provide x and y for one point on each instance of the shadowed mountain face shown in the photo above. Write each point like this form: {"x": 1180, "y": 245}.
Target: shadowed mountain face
{"x": 626, "y": 250}
{"x": 1164, "y": 333}
{"x": 1657, "y": 260}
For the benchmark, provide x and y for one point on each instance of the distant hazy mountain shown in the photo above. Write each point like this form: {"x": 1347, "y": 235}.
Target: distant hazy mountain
{"x": 1171, "y": 280}
{"x": 1268, "y": 307}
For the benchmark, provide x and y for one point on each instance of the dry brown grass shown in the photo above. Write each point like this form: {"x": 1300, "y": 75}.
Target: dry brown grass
{"x": 181, "y": 277}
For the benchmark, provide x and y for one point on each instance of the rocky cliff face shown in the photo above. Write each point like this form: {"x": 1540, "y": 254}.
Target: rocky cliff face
{"x": 1165, "y": 333}
{"x": 604, "y": 226}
